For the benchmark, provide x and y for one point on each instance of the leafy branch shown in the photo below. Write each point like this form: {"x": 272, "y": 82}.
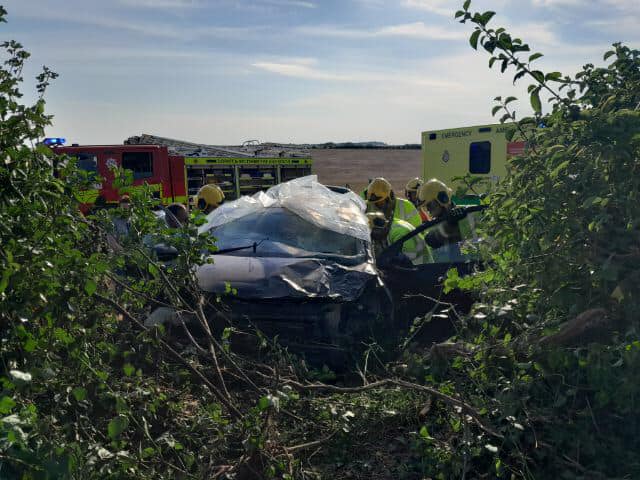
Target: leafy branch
{"x": 510, "y": 50}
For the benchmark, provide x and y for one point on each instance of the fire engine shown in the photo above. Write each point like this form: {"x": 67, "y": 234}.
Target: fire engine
{"x": 177, "y": 178}
{"x": 480, "y": 150}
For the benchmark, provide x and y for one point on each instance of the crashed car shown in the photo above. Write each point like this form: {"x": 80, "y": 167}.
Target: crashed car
{"x": 298, "y": 262}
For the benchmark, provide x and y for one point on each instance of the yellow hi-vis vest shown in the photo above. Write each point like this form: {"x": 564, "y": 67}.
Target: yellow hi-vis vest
{"x": 405, "y": 210}
{"x": 416, "y": 249}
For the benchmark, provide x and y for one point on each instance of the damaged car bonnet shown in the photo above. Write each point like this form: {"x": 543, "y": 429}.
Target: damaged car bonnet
{"x": 308, "y": 242}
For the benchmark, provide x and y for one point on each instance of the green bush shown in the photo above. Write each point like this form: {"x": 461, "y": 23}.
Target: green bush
{"x": 556, "y": 343}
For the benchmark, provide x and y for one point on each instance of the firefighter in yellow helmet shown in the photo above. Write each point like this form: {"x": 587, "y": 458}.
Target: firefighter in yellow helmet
{"x": 411, "y": 194}
{"x": 381, "y": 198}
{"x": 209, "y": 198}
{"x": 435, "y": 198}
{"x": 385, "y": 233}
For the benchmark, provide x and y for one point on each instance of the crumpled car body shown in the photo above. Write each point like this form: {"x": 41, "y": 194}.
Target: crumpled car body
{"x": 296, "y": 262}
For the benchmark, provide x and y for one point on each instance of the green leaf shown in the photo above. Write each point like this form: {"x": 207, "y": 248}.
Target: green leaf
{"x": 466, "y": 5}
{"x": 424, "y": 433}
{"x": 556, "y": 171}
{"x": 486, "y": 18}
{"x": 117, "y": 426}
{"x": 489, "y": 46}
{"x": 553, "y": 76}
{"x": 538, "y": 75}
{"x": 153, "y": 270}
{"x": 505, "y": 65}
{"x": 263, "y": 403}
{"x": 535, "y": 101}
{"x": 90, "y": 286}
{"x": 535, "y": 56}
{"x": 6, "y": 405}
{"x": 4, "y": 281}
{"x": 473, "y": 40}
{"x": 519, "y": 75}
{"x": 30, "y": 345}
{"x": 608, "y": 54}
{"x": 128, "y": 369}
{"x": 459, "y": 13}
{"x": 492, "y": 60}
{"x": 495, "y": 110}
{"x": 509, "y": 100}
{"x": 79, "y": 393}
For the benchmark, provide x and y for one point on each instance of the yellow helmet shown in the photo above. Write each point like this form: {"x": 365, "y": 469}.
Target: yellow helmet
{"x": 376, "y": 220}
{"x": 209, "y": 197}
{"x": 434, "y": 190}
{"x": 379, "y": 190}
{"x": 413, "y": 185}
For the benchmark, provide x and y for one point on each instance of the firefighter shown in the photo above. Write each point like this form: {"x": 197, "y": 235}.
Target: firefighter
{"x": 363, "y": 193}
{"x": 177, "y": 215}
{"x": 381, "y": 197}
{"x": 385, "y": 233}
{"x": 411, "y": 193}
{"x": 434, "y": 197}
{"x": 209, "y": 198}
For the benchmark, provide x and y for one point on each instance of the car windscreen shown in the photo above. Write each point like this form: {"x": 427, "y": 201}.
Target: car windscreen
{"x": 273, "y": 227}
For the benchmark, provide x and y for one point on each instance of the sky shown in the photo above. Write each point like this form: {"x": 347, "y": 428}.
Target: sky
{"x": 226, "y": 71}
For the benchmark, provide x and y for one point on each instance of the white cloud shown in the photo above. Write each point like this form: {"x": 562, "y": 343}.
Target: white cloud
{"x": 145, "y": 28}
{"x": 161, "y": 4}
{"x": 298, "y": 70}
{"x": 441, "y": 7}
{"x": 420, "y": 30}
{"x": 409, "y": 30}
{"x": 556, "y": 3}
{"x": 535, "y": 34}
{"x": 449, "y": 7}
{"x": 306, "y": 68}
{"x": 291, "y": 3}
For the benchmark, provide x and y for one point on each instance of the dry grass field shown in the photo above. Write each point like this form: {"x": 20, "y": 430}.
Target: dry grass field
{"x": 356, "y": 166}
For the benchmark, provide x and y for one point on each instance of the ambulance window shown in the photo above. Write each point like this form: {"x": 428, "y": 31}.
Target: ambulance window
{"x": 480, "y": 157}
{"x": 140, "y": 163}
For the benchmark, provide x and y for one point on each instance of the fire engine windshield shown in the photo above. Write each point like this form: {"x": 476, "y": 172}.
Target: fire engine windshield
{"x": 87, "y": 162}
{"x": 281, "y": 233}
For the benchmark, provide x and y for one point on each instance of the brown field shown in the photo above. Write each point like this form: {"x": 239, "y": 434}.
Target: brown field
{"x": 355, "y": 167}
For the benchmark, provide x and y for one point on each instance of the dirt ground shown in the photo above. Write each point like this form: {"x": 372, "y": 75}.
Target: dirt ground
{"x": 355, "y": 167}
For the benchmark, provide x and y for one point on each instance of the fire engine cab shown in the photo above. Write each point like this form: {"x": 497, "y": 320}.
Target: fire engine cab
{"x": 177, "y": 178}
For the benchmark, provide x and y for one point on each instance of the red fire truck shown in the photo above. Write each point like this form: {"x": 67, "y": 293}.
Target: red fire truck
{"x": 177, "y": 178}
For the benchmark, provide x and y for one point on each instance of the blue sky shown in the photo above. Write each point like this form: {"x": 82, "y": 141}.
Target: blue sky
{"x": 225, "y": 71}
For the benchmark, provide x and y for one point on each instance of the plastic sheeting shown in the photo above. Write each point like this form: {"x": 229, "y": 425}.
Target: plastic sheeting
{"x": 338, "y": 212}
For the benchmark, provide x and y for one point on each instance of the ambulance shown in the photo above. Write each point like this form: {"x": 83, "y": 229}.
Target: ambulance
{"x": 479, "y": 151}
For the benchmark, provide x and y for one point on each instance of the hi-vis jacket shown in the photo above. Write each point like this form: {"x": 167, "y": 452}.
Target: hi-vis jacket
{"x": 405, "y": 210}
{"x": 416, "y": 249}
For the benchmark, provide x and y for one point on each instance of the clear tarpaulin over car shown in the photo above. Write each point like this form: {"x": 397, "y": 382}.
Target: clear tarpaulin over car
{"x": 339, "y": 212}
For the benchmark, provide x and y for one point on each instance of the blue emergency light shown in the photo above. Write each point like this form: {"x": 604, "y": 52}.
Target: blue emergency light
{"x": 54, "y": 141}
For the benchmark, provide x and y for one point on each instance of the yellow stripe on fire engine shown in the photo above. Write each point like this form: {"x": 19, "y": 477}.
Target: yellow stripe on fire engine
{"x": 306, "y": 161}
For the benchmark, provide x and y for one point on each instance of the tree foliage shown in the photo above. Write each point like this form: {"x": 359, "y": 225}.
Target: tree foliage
{"x": 556, "y": 335}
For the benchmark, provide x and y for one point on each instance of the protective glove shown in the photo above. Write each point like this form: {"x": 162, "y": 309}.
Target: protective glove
{"x": 456, "y": 214}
